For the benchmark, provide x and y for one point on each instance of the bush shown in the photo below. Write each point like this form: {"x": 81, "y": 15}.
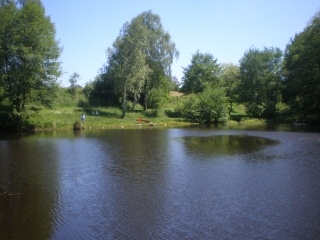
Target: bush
{"x": 209, "y": 106}
{"x": 77, "y": 125}
{"x": 173, "y": 113}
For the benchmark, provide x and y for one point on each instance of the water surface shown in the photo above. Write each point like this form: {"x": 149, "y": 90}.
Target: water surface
{"x": 160, "y": 184}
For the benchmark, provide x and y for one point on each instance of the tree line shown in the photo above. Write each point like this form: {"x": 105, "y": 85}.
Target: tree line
{"x": 271, "y": 84}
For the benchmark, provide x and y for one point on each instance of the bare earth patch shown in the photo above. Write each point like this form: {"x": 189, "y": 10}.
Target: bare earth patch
{"x": 175, "y": 94}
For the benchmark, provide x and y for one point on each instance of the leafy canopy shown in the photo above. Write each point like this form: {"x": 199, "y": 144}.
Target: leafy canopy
{"x": 28, "y": 57}
{"x": 230, "y": 78}
{"x": 302, "y": 72}
{"x": 260, "y": 75}
{"x": 209, "y": 106}
{"x": 140, "y": 57}
{"x": 203, "y": 69}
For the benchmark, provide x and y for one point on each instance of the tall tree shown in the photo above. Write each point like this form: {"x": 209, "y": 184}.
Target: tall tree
{"x": 127, "y": 62}
{"x": 24, "y": 2}
{"x": 140, "y": 56}
{"x": 203, "y": 69}
{"x": 28, "y": 57}
{"x": 302, "y": 72}
{"x": 260, "y": 74}
{"x": 160, "y": 52}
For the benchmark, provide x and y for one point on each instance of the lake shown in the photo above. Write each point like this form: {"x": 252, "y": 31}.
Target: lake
{"x": 151, "y": 183}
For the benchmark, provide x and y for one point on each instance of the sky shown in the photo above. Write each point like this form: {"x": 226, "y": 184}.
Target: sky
{"x": 224, "y": 28}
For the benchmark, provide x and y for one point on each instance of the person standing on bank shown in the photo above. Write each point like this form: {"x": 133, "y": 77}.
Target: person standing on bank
{"x": 83, "y": 117}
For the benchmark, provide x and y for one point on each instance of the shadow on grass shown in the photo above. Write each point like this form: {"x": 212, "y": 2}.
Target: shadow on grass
{"x": 173, "y": 114}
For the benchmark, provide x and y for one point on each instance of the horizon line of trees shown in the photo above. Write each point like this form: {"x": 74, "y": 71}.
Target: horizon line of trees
{"x": 271, "y": 84}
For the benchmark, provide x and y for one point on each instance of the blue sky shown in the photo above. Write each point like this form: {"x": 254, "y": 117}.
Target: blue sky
{"x": 224, "y": 28}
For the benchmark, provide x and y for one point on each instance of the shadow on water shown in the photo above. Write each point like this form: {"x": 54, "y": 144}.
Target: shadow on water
{"x": 261, "y": 126}
{"x": 226, "y": 144}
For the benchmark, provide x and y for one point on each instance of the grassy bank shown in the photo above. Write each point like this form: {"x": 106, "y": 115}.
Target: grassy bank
{"x": 101, "y": 118}
{"x": 65, "y": 114}
{"x": 65, "y": 118}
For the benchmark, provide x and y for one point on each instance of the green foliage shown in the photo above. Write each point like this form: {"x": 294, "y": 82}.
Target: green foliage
{"x": 203, "y": 69}
{"x": 159, "y": 94}
{"x": 73, "y": 80}
{"x": 103, "y": 92}
{"x": 210, "y": 106}
{"x": 88, "y": 88}
{"x": 259, "y": 88}
{"x": 175, "y": 106}
{"x": 138, "y": 70}
{"x": 65, "y": 99}
{"x": 77, "y": 125}
{"x": 230, "y": 79}
{"x": 65, "y": 118}
{"x": 127, "y": 62}
{"x": 174, "y": 84}
{"x": 302, "y": 73}
{"x": 13, "y": 121}
{"x": 190, "y": 110}
{"x": 156, "y": 98}
{"x": 28, "y": 59}
{"x": 159, "y": 51}
{"x": 139, "y": 57}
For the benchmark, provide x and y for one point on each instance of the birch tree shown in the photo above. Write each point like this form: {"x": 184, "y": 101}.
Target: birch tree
{"x": 140, "y": 58}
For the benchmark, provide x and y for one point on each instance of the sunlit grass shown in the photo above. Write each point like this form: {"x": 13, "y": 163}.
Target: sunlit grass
{"x": 64, "y": 118}
{"x": 110, "y": 117}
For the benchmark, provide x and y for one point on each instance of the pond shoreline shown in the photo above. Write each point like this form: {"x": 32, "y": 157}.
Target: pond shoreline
{"x": 127, "y": 124}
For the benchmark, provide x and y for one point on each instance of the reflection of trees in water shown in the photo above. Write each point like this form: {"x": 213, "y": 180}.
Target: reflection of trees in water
{"x": 136, "y": 150}
{"x": 226, "y": 144}
{"x": 26, "y": 200}
{"x": 138, "y": 162}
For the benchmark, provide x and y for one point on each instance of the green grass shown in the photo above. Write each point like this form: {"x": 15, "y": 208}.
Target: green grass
{"x": 66, "y": 115}
{"x": 68, "y": 108}
{"x": 64, "y": 118}
{"x": 67, "y": 112}
{"x": 238, "y": 113}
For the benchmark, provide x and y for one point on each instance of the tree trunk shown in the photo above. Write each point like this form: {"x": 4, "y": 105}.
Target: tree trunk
{"x": 145, "y": 105}
{"x": 135, "y": 100}
{"x": 230, "y": 109}
{"x": 124, "y": 104}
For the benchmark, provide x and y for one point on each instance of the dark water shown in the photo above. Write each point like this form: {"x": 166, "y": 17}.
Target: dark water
{"x": 160, "y": 184}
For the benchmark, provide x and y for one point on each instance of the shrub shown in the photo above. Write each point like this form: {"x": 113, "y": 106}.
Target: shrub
{"x": 77, "y": 125}
{"x": 209, "y": 106}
